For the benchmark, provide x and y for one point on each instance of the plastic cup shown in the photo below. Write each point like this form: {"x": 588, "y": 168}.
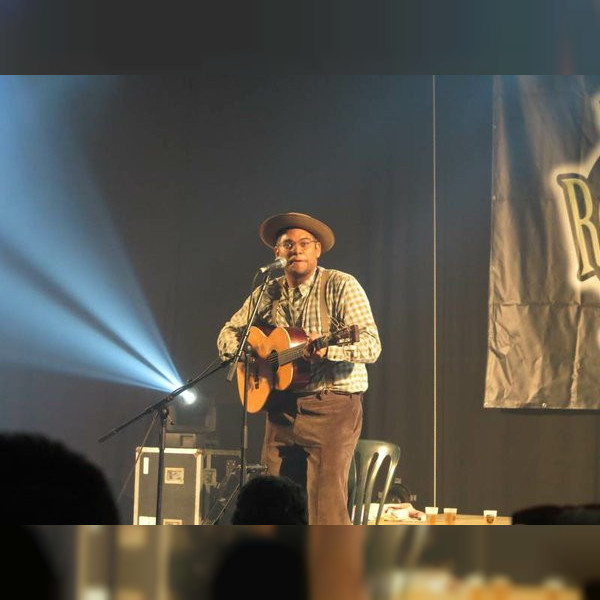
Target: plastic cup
{"x": 431, "y": 514}
{"x": 490, "y": 516}
{"x": 450, "y": 516}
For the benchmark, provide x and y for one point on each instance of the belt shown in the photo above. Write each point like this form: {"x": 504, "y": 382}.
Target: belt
{"x": 342, "y": 393}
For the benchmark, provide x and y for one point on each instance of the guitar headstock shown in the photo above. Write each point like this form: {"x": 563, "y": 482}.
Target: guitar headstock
{"x": 345, "y": 336}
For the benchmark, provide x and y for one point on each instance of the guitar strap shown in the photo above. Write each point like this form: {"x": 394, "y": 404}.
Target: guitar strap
{"x": 324, "y": 312}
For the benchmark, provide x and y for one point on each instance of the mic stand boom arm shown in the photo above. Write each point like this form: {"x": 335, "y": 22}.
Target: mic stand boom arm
{"x": 161, "y": 407}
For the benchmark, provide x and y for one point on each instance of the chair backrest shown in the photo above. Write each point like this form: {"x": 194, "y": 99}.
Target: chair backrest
{"x": 369, "y": 456}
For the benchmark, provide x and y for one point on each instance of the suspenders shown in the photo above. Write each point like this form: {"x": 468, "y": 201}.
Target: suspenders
{"x": 324, "y": 311}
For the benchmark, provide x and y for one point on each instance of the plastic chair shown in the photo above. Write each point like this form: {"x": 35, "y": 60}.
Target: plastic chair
{"x": 367, "y": 461}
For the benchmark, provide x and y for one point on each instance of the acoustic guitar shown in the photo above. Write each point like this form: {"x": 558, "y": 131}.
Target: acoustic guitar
{"x": 277, "y": 360}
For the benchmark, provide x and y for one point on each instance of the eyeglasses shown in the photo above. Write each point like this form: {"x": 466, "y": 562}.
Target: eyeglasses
{"x": 302, "y": 244}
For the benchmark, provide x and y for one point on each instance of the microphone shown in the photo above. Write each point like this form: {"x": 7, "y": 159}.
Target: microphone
{"x": 276, "y": 264}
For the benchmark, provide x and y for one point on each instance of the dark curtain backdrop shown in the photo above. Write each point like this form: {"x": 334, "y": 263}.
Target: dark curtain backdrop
{"x": 190, "y": 165}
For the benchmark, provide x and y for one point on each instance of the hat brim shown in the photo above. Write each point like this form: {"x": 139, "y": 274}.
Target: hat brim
{"x": 273, "y": 226}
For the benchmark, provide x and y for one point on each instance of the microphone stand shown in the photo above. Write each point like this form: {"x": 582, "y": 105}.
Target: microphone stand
{"x": 242, "y": 347}
{"x": 161, "y": 407}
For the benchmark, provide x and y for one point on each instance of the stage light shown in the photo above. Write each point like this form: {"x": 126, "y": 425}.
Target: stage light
{"x": 189, "y": 397}
{"x": 73, "y": 298}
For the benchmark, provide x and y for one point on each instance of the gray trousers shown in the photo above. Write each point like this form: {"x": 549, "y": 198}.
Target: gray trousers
{"x": 311, "y": 439}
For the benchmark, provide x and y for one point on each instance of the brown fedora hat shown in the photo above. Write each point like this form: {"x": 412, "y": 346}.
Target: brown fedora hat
{"x": 271, "y": 228}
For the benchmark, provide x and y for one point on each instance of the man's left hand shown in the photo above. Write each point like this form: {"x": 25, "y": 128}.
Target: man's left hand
{"x": 311, "y": 353}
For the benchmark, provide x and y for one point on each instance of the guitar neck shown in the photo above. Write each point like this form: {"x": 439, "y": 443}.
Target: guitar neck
{"x": 291, "y": 354}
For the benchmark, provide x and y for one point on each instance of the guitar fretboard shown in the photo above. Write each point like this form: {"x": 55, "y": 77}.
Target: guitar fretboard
{"x": 277, "y": 359}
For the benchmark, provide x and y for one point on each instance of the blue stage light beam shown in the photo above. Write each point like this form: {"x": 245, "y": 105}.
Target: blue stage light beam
{"x": 71, "y": 301}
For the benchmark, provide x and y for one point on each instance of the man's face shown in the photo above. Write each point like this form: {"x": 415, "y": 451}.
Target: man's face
{"x": 302, "y": 250}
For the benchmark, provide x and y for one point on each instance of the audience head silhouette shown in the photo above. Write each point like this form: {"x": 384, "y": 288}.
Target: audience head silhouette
{"x": 24, "y": 551}
{"x": 552, "y": 514}
{"x": 271, "y": 500}
{"x": 244, "y": 563}
{"x": 47, "y": 483}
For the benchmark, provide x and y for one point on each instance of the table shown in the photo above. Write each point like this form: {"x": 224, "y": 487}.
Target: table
{"x": 461, "y": 519}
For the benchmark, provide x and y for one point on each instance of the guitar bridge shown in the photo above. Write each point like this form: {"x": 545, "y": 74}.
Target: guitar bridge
{"x": 255, "y": 382}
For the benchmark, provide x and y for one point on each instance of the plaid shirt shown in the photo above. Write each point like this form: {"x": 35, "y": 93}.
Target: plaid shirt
{"x": 344, "y": 367}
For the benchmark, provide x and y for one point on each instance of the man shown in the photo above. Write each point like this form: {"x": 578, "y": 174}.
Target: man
{"x": 311, "y": 434}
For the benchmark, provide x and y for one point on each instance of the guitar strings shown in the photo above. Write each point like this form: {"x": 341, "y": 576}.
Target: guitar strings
{"x": 290, "y": 353}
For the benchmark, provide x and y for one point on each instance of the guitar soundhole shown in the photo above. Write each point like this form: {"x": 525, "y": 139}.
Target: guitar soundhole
{"x": 274, "y": 360}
